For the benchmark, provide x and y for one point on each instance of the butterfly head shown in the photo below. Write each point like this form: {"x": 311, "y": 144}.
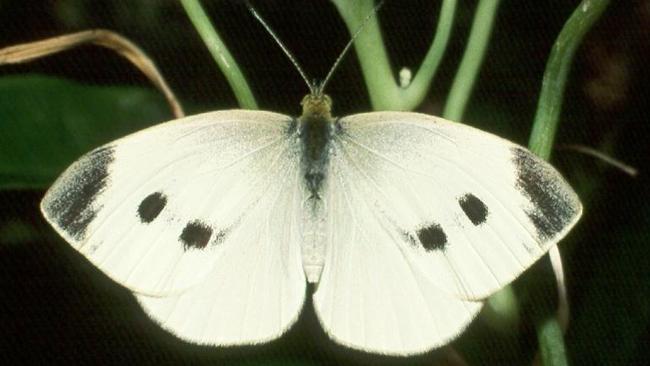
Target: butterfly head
{"x": 317, "y": 105}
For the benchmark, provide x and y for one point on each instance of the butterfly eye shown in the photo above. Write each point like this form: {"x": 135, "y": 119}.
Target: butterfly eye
{"x": 151, "y": 206}
{"x": 475, "y": 210}
{"x": 432, "y": 237}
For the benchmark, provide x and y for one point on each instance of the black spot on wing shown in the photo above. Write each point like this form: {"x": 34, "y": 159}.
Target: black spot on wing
{"x": 432, "y": 237}
{"x": 195, "y": 235}
{"x": 71, "y": 202}
{"x": 220, "y": 236}
{"x": 554, "y": 207}
{"x": 475, "y": 210}
{"x": 151, "y": 206}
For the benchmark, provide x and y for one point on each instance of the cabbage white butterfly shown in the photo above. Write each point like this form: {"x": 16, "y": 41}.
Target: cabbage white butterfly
{"x": 405, "y": 222}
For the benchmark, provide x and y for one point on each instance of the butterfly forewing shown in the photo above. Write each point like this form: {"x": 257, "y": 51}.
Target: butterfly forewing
{"x": 155, "y": 210}
{"x": 468, "y": 210}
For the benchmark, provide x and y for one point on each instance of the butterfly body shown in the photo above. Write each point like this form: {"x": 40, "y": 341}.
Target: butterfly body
{"x": 315, "y": 130}
{"x": 404, "y": 221}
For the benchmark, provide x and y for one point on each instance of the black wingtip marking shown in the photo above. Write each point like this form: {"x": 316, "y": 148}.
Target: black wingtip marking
{"x": 72, "y": 204}
{"x": 475, "y": 210}
{"x": 554, "y": 208}
{"x": 151, "y": 206}
{"x": 432, "y": 237}
{"x": 195, "y": 235}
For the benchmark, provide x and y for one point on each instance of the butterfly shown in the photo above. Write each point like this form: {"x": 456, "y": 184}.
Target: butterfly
{"x": 403, "y": 222}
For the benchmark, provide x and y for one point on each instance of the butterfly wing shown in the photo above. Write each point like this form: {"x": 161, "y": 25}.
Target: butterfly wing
{"x": 426, "y": 217}
{"x": 256, "y": 289}
{"x": 370, "y": 297}
{"x": 474, "y": 210}
{"x": 157, "y": 210}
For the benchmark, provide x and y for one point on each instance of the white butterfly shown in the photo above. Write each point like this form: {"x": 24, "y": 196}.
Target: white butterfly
{"x": 403, "y": 220}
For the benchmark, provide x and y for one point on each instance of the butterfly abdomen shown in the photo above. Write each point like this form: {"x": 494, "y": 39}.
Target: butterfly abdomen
{"x": 315, "y": 128}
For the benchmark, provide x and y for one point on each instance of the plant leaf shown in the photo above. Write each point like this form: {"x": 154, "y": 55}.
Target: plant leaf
{"x": 46, "y": 123}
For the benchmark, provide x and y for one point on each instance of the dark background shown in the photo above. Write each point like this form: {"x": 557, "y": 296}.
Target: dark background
{"x": 54, "y": 305}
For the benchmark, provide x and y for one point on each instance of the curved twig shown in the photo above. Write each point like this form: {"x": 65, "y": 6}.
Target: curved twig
{"x": 34, "y": 50}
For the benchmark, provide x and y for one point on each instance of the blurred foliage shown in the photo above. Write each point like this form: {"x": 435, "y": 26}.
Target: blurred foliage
{"x": 45, "y": 127}
{"x": 614, "y": 315}
{"x": 55, "y": 305}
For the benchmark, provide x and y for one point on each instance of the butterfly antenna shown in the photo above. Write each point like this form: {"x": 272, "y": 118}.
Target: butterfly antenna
{"x": 311, "y": 86}
{"x": 350, "y": 43}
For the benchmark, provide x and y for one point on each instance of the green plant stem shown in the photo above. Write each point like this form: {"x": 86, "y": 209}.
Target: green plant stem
{"x": 479, "y": 37}
{"x": 502, "y": 310}
{"x": 551, "y": 343}
{"x": 555, "y": 76}
{"x": 549, "y": 330}
{"x": 384, "y": 91}
{"x": 220, "y": 53}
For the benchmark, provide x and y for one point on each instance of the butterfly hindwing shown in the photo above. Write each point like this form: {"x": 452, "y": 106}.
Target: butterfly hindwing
{"x": 369, "y": 296}
{"x": 468, "y": 210}
{"x": 155, "y": 210}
